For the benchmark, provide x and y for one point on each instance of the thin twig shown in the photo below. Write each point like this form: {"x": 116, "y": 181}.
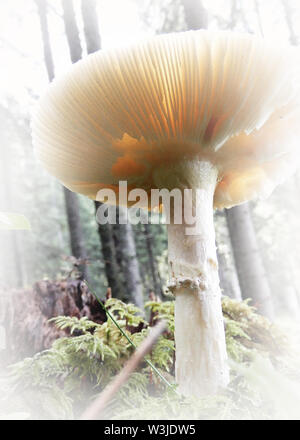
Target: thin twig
{"x": 95, "y": 409}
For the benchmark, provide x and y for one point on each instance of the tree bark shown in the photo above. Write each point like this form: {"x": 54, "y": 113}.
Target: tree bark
{"x": 252, "y": 277}
{"x": 42, "y": 12}
{"x": 124, "y": 253}
{"x": 91, "y": 27}
{"x": 106, "y": 234}
{"x": 112, "y": 269}
{"x": 157, "y": 287}
{"x": 228, "y": 279}
{"x": 76, "y": 233}
{"x": 253, "y": 281}
{"x": 131, "y": 266}
{"x": 12, "y": 273}
{"x": 125, "y": 245}
{"x": 289, "y": 21}
{"x": 196, "y": 16}
{"x": 72, "y": 31}
{"x": 71, "y": 199}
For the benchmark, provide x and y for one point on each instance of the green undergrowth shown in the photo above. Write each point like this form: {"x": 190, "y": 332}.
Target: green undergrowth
{"x": 60, "y": 383}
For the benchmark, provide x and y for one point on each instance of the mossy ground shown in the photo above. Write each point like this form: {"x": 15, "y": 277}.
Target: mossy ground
{"x": 59, "y": 383}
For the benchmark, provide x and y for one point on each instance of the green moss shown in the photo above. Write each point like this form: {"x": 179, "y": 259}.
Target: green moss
{"x": 247, "y": 331}
{"x": 79, "y": 366}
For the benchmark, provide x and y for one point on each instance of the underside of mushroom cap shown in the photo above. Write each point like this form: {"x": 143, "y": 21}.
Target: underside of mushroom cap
{"x": 119, "y": 114}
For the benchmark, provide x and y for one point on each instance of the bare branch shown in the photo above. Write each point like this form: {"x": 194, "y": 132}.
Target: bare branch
{"x": 95, "y": 409}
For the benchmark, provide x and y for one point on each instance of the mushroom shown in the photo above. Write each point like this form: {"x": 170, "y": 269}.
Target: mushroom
{"x": 213, "y": 112}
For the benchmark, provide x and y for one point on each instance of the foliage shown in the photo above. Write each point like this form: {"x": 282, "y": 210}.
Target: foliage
{"x": 247, "y": 331}
{"x": 163, "y": 310}
{"x": 59, "y": 382}
{"x": 10, "y": 220}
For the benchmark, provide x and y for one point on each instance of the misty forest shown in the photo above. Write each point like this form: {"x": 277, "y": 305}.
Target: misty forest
{"x": 137, "y": 320}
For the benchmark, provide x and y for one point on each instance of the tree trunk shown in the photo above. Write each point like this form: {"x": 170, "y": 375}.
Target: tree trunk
{"x": 72, "y": 31}
{"x": 42, "y": 12}
{"x": 124, "y": 253}
{"x": 130, "y": 264}
{"x": 112, "y": 269}
{"x": 71, "y": 199}
{"x": 195, "y": 14}
{"x": 288, "y": 12}
{"x": 228, "y": 279}
{"x": 227, "y": 271}
{"x": 12, "y": 272}
{"x": 250, "y": 268}
{"x": 106, "y": 232}
{"x": 92, "y": 36}
{"x": 253, "y": 281}
{"x": 91, "y": 27}
{"x": 76, "y": 232}
{"x": 157, "y": 287}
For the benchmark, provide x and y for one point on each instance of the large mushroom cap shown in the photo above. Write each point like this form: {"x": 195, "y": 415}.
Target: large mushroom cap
{"x": 224, "y": 97}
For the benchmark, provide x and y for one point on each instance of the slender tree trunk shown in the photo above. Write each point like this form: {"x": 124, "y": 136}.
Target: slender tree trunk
{"x": 125, "y": 252}
{"x": 233, "y": 15}
{"x": 91, "y": 27}
{"x": 227, "y": 271}
{"x": 72, "y": 31}
{"x": 253, "y": 281}
{"x": 157, "y": 286}
{"x": 105, "y": 231}
{"x": 195, "y": 14}
{"x": 76, "y": 233}
{"x": 12, "y": 272}
{"x": 42, "y": 12}
{"x": 228, "y": 279}
{"x": 289, "y": 21}
{"x": 112, "y": 268}
{"x": 252, "y": 277}
{"x": 130, "y": 264}
{"x": 258, "y": 16}
{"x": 71, "y": 199}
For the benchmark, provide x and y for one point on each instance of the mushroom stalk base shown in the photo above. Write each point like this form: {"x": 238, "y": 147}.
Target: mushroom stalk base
{"x": 201, "y": 358}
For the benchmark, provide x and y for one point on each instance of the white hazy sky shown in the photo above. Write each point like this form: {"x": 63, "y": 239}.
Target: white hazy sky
{"x": 22, "y": 72}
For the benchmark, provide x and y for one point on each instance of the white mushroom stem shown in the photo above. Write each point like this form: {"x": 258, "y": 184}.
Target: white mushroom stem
{"x": 201, "y": 358}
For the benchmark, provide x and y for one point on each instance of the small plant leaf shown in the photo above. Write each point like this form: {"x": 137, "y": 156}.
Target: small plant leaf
{"x": 12, "y": 221}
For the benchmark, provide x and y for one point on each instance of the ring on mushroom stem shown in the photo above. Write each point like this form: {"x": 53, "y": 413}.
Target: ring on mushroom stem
{"x": 213, "y": 111}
